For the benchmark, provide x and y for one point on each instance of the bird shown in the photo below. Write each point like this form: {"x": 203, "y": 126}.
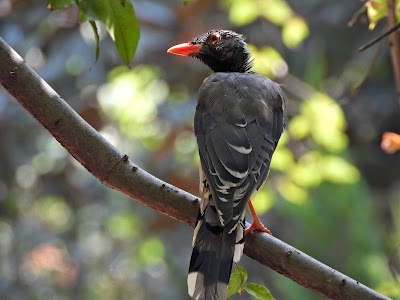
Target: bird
{"x": 238, "y": 122}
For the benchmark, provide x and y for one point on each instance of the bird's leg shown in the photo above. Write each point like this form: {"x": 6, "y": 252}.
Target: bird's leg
{"x": 257, "y": 225}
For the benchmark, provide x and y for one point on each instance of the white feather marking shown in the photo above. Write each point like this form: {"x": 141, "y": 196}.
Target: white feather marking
{"x": 235, "y": 218}
{"x": 223, "y": 199}
{"x": 223, "y": 190}
{"x": 227, "y": 184}
{"x": 238, "y": 252}
{"x": 196, "y": 230}
{"x": 221, "y": 220}
{"x": 241, "y": 149}
{"x": 191, "y": 282}
{"x": 213, "y": 173}
{"x": 241, "y": 124}
{"x": 240, "y": 192}
{"x": 236, "y": 203}
{"x": 220, "y": 212}
{"x": 235, "y": 173}
{"x": 237, "y": 255}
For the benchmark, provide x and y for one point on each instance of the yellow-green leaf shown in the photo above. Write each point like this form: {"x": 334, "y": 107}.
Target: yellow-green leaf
{"x": 338, "y": 170}
{"x": 327, "y": 121}
{"x": 283, "y": 159}
{"x": 258, "y": 291}
{"x": 294, "y": 31}
{"x": 376, "y": 10}
{"x": 235, "y": 284}
{"x": 276, "y": 11}
{"x": 268, "y": 61}
{"x": 243, "y": 12}
{"x": 96, "y": 38}
{"x": 237, "y": 281}
{"x": 264, "y": 200}
{"x": 292, "y": 192}
{"x": 59, "y": 4}
{"x": 299, "y": 127}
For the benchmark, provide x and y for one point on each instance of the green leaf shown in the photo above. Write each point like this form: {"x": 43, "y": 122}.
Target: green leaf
{"x": 235, "y": 284}
{"x": 82, "y": 17}
{"x": 242, "y": 272}
{"x": 59, "y": 4}
{"x": 376, "y": 10}
{"x": 258, "y": 291}
{"x": 237, "y": 281}
{"x": 120, "y": 21}
{"x": 96, "y": 38}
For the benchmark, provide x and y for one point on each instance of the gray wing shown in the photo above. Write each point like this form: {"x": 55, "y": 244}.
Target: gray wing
{"x": 236, "y": 148}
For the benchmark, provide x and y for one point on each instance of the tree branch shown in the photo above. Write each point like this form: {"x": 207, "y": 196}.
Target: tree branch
{"x": 394, "y": 46}
{"x": 115, "y": 170}
{"x": 379, "y": 38}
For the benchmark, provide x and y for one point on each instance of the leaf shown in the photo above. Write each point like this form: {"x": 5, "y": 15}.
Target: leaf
{"x": 120, "y": 21}
{"x": 59, "y": 4}
{"x": 235, "y": 284}
{"x": 82, "y": 17}
{"x": 258, "y": 291}
{"x": 96, "y": 38}
{"x": 237, "y": 281}
{"x": 376, "y": 10}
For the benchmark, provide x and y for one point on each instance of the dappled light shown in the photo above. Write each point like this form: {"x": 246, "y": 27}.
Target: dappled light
{"x": 131, "y": 98}
{"x": 269, "y": 62}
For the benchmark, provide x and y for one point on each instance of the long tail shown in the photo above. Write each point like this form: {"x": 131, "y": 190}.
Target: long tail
{"x": 213, "y": 252}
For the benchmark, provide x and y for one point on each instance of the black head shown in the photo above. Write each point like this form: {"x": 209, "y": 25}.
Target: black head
{"x": 221, "y": 50}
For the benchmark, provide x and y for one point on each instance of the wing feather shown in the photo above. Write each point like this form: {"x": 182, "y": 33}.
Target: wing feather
{"x": 236, "y": 143}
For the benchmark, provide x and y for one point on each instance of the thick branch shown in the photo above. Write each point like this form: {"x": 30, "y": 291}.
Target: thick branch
{"x": 115, "y": 170}
{"x": 394, "y": 45}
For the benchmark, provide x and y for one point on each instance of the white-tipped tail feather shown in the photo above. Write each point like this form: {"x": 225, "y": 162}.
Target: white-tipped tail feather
{"x": 214, "y": 249}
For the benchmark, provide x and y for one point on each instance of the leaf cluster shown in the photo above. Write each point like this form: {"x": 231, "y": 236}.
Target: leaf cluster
{"x": 117, "y": 15}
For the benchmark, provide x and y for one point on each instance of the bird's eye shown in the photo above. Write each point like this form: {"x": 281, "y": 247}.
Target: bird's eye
{"x": 215, "y": 37}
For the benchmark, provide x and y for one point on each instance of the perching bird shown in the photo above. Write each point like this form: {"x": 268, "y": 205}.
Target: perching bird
{"x": 238, "y": 123}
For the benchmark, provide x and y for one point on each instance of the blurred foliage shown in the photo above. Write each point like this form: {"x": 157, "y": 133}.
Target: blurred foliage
{"x": 278, "y": 12}
{"x": 130, "y": 100}
{"x": 378, "y": 9}
{"x": 118, "y": 16}
{"x": 332, "y": 192}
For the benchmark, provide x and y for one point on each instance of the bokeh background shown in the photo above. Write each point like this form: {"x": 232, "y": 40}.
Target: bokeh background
{"x": 332, "y": 192}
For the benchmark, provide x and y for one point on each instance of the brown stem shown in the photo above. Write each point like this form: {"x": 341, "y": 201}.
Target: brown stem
{"x": 115, "y": 170}
{"x": 394, "y": 46}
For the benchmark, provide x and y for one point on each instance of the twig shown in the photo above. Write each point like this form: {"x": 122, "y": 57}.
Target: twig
{"x": 110, "y": 166}
{"x": 394, "y": 46}
{"x": 356, "y": 86}
{"x": 356, "y": 15}
{"x": 379, "y": 38}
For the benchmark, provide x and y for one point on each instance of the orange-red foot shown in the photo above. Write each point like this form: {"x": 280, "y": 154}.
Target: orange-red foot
{"x": 257, "y": 225}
